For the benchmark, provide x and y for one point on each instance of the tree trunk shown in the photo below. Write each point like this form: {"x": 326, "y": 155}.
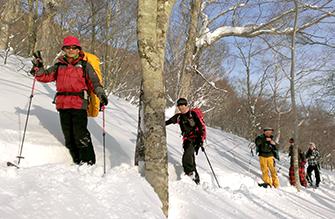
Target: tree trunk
{"x": 106, "y": 56}
{"x": 94, "y": 26}
{"x": 47, "y": 42}
{"x": 139, "y": 151}
{"x": 153, "y": 19}
{"x": 32, "y": 25}
{"x": 9, "y": 15}
{"x": 185, "y": 85}
{"x": 293, "y": 98}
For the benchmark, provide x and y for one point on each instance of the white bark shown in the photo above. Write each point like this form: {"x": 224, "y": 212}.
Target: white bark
{"x": 153, "y": 19}
{"x": 9, "y": 15}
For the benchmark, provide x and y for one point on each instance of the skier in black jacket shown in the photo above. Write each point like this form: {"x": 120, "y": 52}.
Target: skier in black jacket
{"x": 266, "y": 148}
{"x": 192, "y": 131}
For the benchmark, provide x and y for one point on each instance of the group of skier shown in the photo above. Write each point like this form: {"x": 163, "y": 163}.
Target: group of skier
{"x": 74, "y": 77}
{"x": 267, "y": 150}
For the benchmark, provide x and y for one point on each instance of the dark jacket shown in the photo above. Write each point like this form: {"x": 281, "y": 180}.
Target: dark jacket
{"x": 190, "y": 125}
{"x": 264, "y": 148}
{"x": 313, "y": 157}
{"x": 70, "y": 78}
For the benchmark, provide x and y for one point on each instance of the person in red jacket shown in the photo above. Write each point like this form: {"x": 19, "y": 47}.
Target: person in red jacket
{"x": 301, "y": 163}
{"x": 73, "y": 77}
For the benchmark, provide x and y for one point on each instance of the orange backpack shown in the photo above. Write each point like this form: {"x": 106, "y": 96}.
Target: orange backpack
{"x": 94, "y": 102}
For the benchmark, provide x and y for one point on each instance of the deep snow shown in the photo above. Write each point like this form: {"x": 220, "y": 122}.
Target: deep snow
{"x": 48, "y": 186}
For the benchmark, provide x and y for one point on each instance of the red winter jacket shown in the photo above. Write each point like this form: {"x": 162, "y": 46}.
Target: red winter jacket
{"x": 69, "y": 77}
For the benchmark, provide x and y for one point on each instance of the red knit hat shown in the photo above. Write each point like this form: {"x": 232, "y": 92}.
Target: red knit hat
{"x": 71, "y": 41}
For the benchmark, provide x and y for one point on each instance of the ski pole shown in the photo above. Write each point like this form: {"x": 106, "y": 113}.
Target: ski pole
{"x": 103, "y": 137}
{"x": 210, "y": 165}
{"x": 26, "y": 124}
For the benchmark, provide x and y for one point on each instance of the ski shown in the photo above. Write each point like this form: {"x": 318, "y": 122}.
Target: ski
{"x": 10, "y": 164}
{"x": 264, "y": 185}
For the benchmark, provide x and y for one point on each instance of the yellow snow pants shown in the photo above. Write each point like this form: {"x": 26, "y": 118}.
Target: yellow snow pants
{"x": 268, "y": 164}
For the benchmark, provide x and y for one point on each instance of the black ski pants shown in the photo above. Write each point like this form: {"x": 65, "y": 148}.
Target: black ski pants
{"x": 188, "y": 159}
{"x": 77, "y": 137}
{"x": 310, "y": 169}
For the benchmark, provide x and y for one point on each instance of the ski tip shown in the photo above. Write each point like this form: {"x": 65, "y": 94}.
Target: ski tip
{"x": 264, "y": 185}
{"x": 10, "y": 164}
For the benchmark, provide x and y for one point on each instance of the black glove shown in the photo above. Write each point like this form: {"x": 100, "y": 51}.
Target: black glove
{"x": 198, "y": 146}
{"x": 103, "y": 98}
{"x": 37, "y": 62}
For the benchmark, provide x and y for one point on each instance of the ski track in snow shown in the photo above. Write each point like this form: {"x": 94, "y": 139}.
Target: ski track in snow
{"x": 48, "y": 186}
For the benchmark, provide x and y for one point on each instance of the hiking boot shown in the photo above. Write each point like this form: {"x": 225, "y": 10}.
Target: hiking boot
{"x": 88, "y": 163}
{"x": 195, "y": 177}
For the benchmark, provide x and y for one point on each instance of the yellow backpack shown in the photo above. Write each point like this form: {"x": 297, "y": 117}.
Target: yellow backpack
{"x": 94, "y": 103}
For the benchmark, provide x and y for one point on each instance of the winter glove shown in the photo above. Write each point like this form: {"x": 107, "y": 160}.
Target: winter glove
{"x": 103, "y": 99}
{"x": 37, "y": 63}
{"x": 102, "y": 96}
{"x": 37, "y": 60}
{"x": 199, "y": 144}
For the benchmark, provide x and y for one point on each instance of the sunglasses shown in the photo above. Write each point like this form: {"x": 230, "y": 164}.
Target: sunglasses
{"x": 71, "y": 47}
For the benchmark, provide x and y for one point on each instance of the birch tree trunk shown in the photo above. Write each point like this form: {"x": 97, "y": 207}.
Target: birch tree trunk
{"x": 293, "y": 97}
{"x": 93, "y": 26}
{"x": 46, "y": 33}
{"x": 32, "y": 25}
{"x": 9, "y": 15}
{"x": 139, "y": 150}
{"x": 190, "y": 49}
{"x": 153, "y": 19}
{"x": 106, "y": 59}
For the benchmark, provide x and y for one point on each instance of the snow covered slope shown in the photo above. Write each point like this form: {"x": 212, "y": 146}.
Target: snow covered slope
{"x": 49, "y": 186}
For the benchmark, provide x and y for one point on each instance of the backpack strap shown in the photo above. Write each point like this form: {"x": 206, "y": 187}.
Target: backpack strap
{"x": 84, "y": 65}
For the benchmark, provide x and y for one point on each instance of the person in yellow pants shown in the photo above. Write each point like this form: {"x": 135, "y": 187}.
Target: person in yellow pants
{"x": 266, "y": 148}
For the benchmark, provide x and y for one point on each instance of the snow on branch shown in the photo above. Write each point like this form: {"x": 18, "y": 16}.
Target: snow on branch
{"x": 208, "y": 37}
{"x": 244, "y": 31}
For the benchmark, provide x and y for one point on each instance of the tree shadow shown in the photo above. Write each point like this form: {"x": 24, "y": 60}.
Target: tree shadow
{"x": 48, "y": 119}
{"x": 117, "y": 153}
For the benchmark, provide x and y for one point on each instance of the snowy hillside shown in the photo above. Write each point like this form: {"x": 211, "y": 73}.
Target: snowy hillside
{"x": 49, "y": 186}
